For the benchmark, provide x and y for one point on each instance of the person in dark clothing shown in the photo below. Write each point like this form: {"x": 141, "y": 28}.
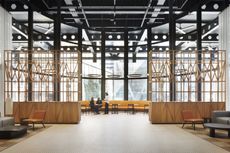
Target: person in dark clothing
{"x": 106, "y": 103}
{"x": 99, "y": 102}
{"x": 94, "y": 106}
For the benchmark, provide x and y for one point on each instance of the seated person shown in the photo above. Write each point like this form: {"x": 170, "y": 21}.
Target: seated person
{"x": 99, "y": 102}
{"x": 94, "y": 106}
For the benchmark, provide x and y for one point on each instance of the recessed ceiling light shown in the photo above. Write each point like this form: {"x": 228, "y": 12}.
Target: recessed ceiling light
{"x": 13, "y": 6}
{"x": 73, "y": 37}
{"x": 110, "y": 36}
{"x": 215, "y": 6}
{"x": 203, "y": 7}
{"x": 64, "y": 36}
{"x": 25, "y": 7}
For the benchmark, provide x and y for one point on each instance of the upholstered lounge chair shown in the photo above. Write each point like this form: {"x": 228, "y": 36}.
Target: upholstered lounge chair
{"x": 37, "y": 117}
{"x": 188, "y": 117}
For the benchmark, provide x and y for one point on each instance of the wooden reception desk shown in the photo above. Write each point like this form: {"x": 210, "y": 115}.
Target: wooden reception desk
{"x": 170, "y": 112}
{"x": 56, "y": 112}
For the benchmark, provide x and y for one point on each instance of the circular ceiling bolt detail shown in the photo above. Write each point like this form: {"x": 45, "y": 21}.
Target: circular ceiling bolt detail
{"x": 62, "y": 48}
{"x": 156, "y": 37}
{"x": 13, "y": 6}
{"x": 47, "y": 37}
{"x": 118, "y": 36}
{"x": 64, "y": 37}
{"x": 164, "y": 37}
{"x": 167, "y": 48}
{"x": 110, "y": 36}
{"x": 72, "y": 36}
{"x": 209, "y": 37}
{"x": 215, "y": 6}
{"x": 117, "y": 48}
{"x": 98, "y": 48}
{"x": 190, "y": 49}
{"x": 39, "y": 37}
{"x": 39, "y": 49}
{"x": 203, "y": 7}
{"x": 140, "y": 48}
{"x": 88, "y": 48}
{"x": 160, "y": 48}
{"x": 131, "y": 48}
{"x": 25, "y": 7}
{"x": 181, "y": 38}
{"x": 19, "y": 37}
{"x": 68, "y": 48}
{"x": 217, "y": 37}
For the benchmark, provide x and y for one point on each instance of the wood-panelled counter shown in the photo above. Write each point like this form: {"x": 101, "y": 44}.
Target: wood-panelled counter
{"x": 56, "y": 112}
{"x": 170, "y": 112}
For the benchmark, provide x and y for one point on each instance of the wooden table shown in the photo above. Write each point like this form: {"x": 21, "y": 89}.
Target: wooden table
{"x": 219, "y": 126}
{"x": 131, "y": 107}
{"x": 114, "y": 109}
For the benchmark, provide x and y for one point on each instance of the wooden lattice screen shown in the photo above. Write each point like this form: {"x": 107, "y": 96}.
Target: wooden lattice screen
{"x": 188, "y": 71}
{"x": 45, "y": 71}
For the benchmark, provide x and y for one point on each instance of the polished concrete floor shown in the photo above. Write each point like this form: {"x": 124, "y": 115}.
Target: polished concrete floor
{"x": 114, "y": 133}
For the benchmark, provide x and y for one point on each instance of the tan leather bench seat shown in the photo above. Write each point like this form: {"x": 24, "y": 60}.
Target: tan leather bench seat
{"x": 139, "y": 105}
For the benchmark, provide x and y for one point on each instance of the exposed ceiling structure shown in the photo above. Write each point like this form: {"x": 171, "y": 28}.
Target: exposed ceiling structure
{"x": 114, "y": 16}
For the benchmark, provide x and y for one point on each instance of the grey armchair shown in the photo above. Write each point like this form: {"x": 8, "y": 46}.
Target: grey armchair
{"x": 222, "y": 117}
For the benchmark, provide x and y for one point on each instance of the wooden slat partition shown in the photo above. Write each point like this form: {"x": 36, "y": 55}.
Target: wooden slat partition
{"x": 56, "y": 112}
{"x": 170, "y": 112}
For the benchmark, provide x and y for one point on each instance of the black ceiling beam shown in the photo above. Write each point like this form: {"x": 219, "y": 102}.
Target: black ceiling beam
{"x": 84, "y": 49}
{"x": 160, "y": 37}
{"x": 120, "y": 23}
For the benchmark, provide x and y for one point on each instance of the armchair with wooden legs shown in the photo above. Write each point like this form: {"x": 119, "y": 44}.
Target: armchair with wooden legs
{"x": 188, "y": 117}
{"x": 36, "y": 117}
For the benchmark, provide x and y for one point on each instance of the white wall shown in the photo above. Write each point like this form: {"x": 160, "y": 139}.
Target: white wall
{"x": 224, "y": 44}
{"x": 5, "y": 44}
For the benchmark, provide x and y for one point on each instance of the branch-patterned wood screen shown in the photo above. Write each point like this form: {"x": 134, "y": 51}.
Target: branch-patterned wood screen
{"x": 209, "y": 72}
{"x": 44, "y": 73}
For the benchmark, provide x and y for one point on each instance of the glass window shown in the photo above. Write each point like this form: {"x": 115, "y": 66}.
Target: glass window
{"x": 114, "y": 65}
{"x": 137, "y": 89}
{"x": 91, "y": 88}
{"x": 90, "y": 68}
{"x": 139, "y": 67}
{"x": 115, "y": 89}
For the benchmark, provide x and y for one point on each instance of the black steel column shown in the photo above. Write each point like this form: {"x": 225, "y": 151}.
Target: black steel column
{"x": 57, "y": 47}
{"x": 199, "y": 51}
{"x": 126, "y": 64}
{"x": 79, "y": 64}
{"x": 103, "y": 64}
{"x": 172, "y": 41}
{"x": 30, "y": 52}
{"x": 149, "y": 48}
